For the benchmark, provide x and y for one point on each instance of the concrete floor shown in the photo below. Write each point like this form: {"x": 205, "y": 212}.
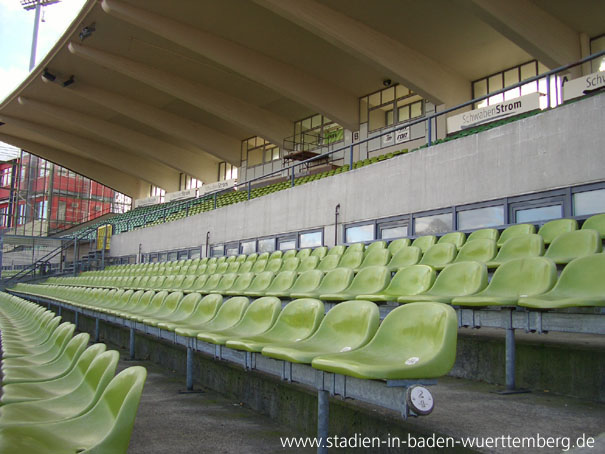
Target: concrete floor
{"x": 169, "y": 422}
{"x": 209, "y": 422}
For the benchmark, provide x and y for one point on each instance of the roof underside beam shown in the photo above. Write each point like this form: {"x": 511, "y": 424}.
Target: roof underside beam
{"x": 143, "y": 145}
{"x": 148, "y": 170}
{"x": 109, "y": 176}
{"x": 217, "y": 144}
{"x": 415, "y": 70}
{"x": 531, "y": 28}
{"x": 306, "y": 89}
{"x": 260, "y": 121}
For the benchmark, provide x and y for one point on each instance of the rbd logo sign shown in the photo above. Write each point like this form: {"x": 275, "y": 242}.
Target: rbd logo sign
{"x": 493, "y": 112}
{"x": 217, "y": 186}
{"x": 403, "y": 135}
{"x": 583, "y": 85}
{"x": 153, "y": 200}
{"x": 387, "y": 139}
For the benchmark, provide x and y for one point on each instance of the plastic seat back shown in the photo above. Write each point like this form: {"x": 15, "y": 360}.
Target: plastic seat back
{"x": 484, "y": 234}
{"x": 425, "y": 242}
{"x": 460, "y": 279}
{"x": 320, "y": 252}
{"x": 596, "y": 222}
{"x": 169, "y": 305}
{"x": 456, "y": 238}
{"x": 515, "y": 230}
{"x": 571, "y": 245}
{"x": 241, "y": 258}
{"x": 439, "y": 255}
{"x": 211, "y": 283}
{"x": 369, "y": 280}
{"x": 307, "y": 281}
{"x": 529, "y": 245}
{"x": 289, "y": 254}
{"x": 233, "y": 267}
{"x": 274, "y": 265}
{"x": 376, "y": 257}
{"x": 406, "y": 256}
{"x": 276, "y": 255}
{"x": 199, "y": 282}
{"x": 242, "y": 283}
{"x": 355, "y": 248}
{"x": 396, "y": 245}
{"x": 245, "y": 267}
{"x": 298, "y": 320}
{"x": 308, "y": 263}
{"x": 261, "y": 281}
{"x": 329, "y": 262}
{"x": 304, "y": 253}
{"x": 187, "y": 306}
{"x": 337, "y": 250}
{"x": 282, "y": 282}
{"x": 259, "y": 266}
{"x": 556, "y": 227}
{"x": 264, "y": 256}
{"x": 229, "y": 313}
{"x": 252, "y": 257}
{"x": 582, "y": 277}
{"x": 411, "y": 280}
{"x": 376, "y": 245}
{"x": 525, "y": 276}
{"x": 479, "y": 250}
{"x": 222, "y": 268}
{"x": 260, "y": 315}
{"x": 290, "y": 264}
{"x": 335, "y": 281}
{"x": 187, "y": 282}
{"x": 351, "y": 259}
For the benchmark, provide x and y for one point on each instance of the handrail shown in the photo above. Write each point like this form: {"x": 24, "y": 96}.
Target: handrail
{"x": 185, "y": 204}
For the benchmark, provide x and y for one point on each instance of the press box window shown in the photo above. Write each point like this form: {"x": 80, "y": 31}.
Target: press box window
{"x": 431, "y": 225}
{"x": 247, "y": 247}
{"x": 231, "y": 249}
{"x": 359, "y": 233}
{"x": 538, "y": 214}
{"x": 286, "y": 243}
{"x": 393, "y": 230}
{"x": 589, "y": 202}
{"x": 311, "y": 239}
{"x": 172, "y": 256}
{"x": 266, "y": 245}
{"x": 217, "y": 251}
{"x": 479, "y": 218}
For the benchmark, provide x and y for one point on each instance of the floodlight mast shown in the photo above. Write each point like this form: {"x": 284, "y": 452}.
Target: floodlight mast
{"x": 28, "y": 5}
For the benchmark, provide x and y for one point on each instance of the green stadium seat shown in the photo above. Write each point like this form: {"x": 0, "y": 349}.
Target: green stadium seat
{"x": 149, "y": 302}
{"x": 205, "y": 310}
{"x": 409, "y": 280}
{"x": 168, "y": 307}
{"x": 264, "y": 256}
{"x": 334, "y": 281}
{"x": 439, "y": 255}
{"x": 320, "y": 252}
{"x": 199, "y": 283}
{"x": 260, "y": 315}
{"x": 226, "y": 283}
{"x": 376, "y": 245}
{"x": 329, "y": 262}
{"x": 43, "y": 353}
{"x": 581, "y": 284}
{"x": 105, "y": 428}
{"x": 289, "y": 254}
{"x": 596, "y": 222}
{"x": 68, "y": 405}
{"x": 307, "y": 264}
{"x": 456, "y": 279}
{"x": 396, "y": 245}
{"x": 515, "y": 230}
{"x": 354, "y": 248}
{"x": 484, "y": 234}
{"x": 185, "y": 309}
{"x": 527, "y": 245}
{"x": 478, "y": 250}
{"x": 27, "y": 392}
{"x": 425, "y": 242}
{"x": 526, "y": 276}
{"x": 347, "y": 326}
{"x": 241, "y": 284}
{"x": 281, "y": 283}
{"x": 304, "y": 253}
{"x": 245, "y": 267}
{"x": 211, "y": 284}
{"x": 276, "y": 255}
{"x": 350, "y": 260}
{"x": 375, "y": 257}
{"x": 259, "y": 284}
{"x": 337, "y": 250}
{"x": 456, "y": 238}
{"x": 556, "y": 227}
{"x": 574, "y": 244}
{"x": 259, "y": 266}
{"x": 406, "y": 256}
{"x": 290, "y": 264}
{"x": 368, "y": 281}
{"x": 307, "y": 281}
{"x": 227, "y": 315}
{"x": 413, "y": 342}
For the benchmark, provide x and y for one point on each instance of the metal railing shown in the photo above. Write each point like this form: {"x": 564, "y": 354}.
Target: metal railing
{"x": 290, "y": 171}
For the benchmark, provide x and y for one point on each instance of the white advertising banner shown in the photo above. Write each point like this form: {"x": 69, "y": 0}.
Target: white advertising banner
{"x": 217, "y": 186}
{"x": 583, "y": 85}
{"x": 181, "y": 195}
{"x": 403, "y": 135}
{"x": 154, "y": 200}
{"x": 493, "y": 112}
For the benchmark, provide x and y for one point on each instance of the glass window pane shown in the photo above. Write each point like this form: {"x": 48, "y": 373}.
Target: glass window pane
{"x": 255, "y": 157}
{"x": 374, "y": 100}
{"x": 589, "y": 202}
{"x": 217, "y": 251}
{"x": 248, "y": 247}
{"x": 438, "y": 223}
{"x": 388, "y": 95}
{"x": 511, "y": 77}
{"x": 162, "y": 256}
{"x": 266, "y": 245}
{"x": 387, "y": 233}
{"x": 233, "y": 250}
{"x": 316, "y": 121}
{"x": 359, "y": 233}
{"x": 285, "y": 245}
{"x": 416, "y": 109}
{"x": 363, "y": 110}
{"x": 389, "y": 117}
{"x": 528, "y": 70}
{"x": 194, "y": 253}
{"x": 402, "y": 91}
{"x": 539, "y": 214}
{"x": 312, "y": 239}
{"x": 403, "y": 113}
{"x": 172, "y": 256}
{"x": 377, "y": 119}
{"x": 481, "y": 217}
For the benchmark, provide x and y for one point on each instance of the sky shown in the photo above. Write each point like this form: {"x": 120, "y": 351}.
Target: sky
{"x": 16, "y": 28}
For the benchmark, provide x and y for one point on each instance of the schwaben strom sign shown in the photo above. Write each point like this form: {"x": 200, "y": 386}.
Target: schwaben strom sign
{"x": 583, "y": 85}
{"x": 493, "y": 112}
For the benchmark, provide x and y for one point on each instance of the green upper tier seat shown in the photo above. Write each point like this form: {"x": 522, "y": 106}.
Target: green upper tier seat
{"x": 478, "y": 250}
{"x": 413, "y": 342}
{"x": 345, "y": 327}
{"x": 456, "y": 238}
{"x": 526, "y": 245}
{"x": 409, "y": 280}
{"x": 425, "y": 242}
{"x": 515, "y": 230}
{"x": 596, "y": 222}
{"x": 369, "y": 280}
{"x": 571, "y": 245}
{"x": 556, "y": 227}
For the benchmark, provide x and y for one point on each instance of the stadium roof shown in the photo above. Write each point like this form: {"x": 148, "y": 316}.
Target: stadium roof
{"x": 141, "y": 90}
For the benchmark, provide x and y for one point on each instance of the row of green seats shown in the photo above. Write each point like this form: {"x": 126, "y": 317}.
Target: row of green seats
{"x": 461, "y": 284}
{"x": 57, "y": 394}
{"x": 348, "y": 339}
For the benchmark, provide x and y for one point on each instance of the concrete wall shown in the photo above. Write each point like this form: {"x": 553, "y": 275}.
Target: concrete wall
{"x": 562, "y": 147}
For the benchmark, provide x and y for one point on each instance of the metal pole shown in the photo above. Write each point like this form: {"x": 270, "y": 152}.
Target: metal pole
{"x": 548, "y": 92}
{"x": 430, "y": 131}
{"x": 510, "y": 352}
{"x": 249, "y": 188}
{"x": 323, "y": 419}
{"x": 351, "y": 158}
{"x": 32, "y": 57}
{"x": 189, "y": 368}
{"x": 75, "y": 256}
{"x": 132, "y": 342}
{"x": 292, "y": 177}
